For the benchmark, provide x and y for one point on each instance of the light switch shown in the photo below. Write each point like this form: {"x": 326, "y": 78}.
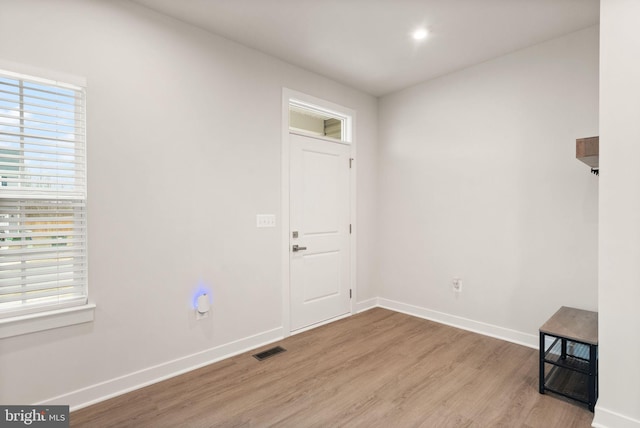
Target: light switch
{"x": 265, "y": 220}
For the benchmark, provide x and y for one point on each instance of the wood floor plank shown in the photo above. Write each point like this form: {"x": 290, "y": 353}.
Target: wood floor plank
{"x": 375, "y": 369}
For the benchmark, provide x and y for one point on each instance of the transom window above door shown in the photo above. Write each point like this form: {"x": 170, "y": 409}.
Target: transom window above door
{"x": 309, "y": 121}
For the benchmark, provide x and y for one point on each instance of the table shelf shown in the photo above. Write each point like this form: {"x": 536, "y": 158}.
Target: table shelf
{"x": 576, "y": 359}
{"x": 569, "y": 383}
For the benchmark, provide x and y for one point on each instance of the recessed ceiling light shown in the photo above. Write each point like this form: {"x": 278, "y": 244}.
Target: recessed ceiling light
{"x": 420, "y": 33}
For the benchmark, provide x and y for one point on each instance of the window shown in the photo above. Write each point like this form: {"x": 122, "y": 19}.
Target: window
{"x": 43, "y": 240}
{"x": 314, "y": 121}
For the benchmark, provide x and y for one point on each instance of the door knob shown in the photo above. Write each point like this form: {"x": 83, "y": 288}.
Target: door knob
{"x": 298, "y": 248}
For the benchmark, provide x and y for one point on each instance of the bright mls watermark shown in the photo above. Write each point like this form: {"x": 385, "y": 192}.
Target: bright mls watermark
{"x": 34, "y": 416}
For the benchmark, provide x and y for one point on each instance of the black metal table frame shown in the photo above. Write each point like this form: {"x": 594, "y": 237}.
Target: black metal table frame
{"x": 592, "y": 364}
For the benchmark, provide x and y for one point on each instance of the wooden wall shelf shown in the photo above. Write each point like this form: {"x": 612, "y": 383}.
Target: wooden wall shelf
{"x": 587, "y": 151}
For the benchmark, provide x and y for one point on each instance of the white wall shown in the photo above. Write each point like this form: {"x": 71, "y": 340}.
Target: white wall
{"x": 184, "y": 137}
{"x": 478, "y": 180}
{"x": 619, "y": 283}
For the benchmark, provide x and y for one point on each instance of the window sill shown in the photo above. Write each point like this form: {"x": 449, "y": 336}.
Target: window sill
{"x": 32, "y": 323}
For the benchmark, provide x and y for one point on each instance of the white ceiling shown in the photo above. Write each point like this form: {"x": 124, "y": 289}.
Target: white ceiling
{"x": 366, "y": 44}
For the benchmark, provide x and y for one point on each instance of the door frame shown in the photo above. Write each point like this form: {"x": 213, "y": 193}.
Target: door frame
{"x": 289, "y": 96}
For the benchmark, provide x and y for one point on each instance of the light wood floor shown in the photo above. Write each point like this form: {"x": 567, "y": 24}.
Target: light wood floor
{"x": 375, "y": 369}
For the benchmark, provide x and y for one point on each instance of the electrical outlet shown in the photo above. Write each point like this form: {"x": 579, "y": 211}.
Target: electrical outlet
{"x": 457, "y": 285}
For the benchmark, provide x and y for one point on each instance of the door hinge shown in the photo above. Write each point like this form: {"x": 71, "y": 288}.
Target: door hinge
{"x": 349, "y": 229}
{"x": 350, "y": 162}
{"x": 350, "y": 294}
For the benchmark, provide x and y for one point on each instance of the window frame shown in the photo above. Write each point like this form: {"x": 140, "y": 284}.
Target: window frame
{"x": 24, "y": 319}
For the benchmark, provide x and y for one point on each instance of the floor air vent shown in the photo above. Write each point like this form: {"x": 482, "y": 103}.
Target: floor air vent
{"x": 269, "y": 353}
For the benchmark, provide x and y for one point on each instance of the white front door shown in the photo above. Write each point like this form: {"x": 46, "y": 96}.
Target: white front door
{"x": 319, "y": 233}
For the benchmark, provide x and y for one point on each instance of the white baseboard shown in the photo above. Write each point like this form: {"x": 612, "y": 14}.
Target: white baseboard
{"x": 605, "y": 418}
{"x": 365, "y": 305}
{"x": 520, "y": 338}
{"x": 112, "y": 388}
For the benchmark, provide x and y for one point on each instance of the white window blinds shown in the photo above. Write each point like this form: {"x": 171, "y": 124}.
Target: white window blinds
{"x": 43, "y": 254}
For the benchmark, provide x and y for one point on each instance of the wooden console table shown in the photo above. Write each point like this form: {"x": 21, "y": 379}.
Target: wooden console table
{"x": 569, "y": 355}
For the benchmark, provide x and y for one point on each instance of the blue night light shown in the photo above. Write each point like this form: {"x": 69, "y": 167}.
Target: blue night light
{"x": 201, "y": 290}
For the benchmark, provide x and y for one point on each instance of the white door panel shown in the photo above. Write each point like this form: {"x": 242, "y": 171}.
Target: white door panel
{"x": 319, "y": 213}
{"x": 321, "y": 276}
